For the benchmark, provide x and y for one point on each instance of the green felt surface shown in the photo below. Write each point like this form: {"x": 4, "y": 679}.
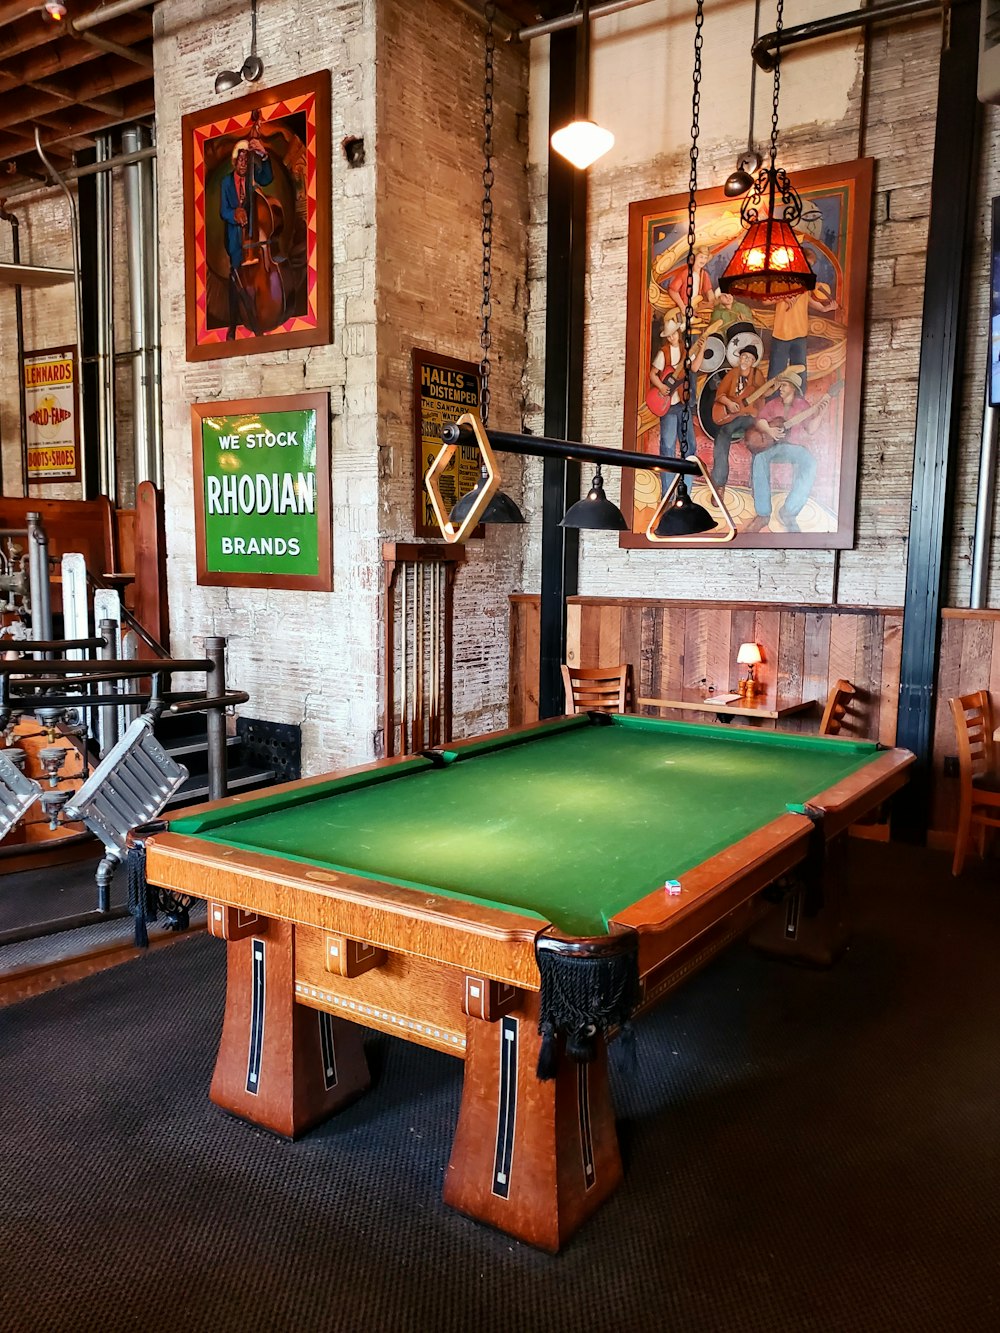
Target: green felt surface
{"x": 573, "y": 825}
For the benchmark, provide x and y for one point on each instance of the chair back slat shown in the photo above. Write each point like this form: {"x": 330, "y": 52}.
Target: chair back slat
{"x": 837, "y": 704}
{"x": 974, "y": 726}
{"x": 597, "y": 689}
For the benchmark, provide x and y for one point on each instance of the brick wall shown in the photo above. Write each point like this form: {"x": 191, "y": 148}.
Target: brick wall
{"x": 305, "y": 658}
{"x": 429, "y": 190}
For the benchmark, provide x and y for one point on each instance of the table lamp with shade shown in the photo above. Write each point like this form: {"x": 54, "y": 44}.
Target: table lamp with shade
{"x": 749, "y": 656}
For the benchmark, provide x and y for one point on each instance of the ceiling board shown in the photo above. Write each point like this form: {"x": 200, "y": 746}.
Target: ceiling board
{"x": 67, "y": 87}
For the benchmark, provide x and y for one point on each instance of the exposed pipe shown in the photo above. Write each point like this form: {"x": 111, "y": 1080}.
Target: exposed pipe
{"x": 105, "y": 343}
{"x": 78, "y": 295}
{"x": 19, "y": 325}
{"x": 572, "y": 20}
{"x": 38, "y": 581}
{"x": 155, "y": 358}
{"x": 985, "y": 499}
{"x": 764, "y": 47}
{"x": 104, "y": 13}
{"x": 105, "y": 44}
{"x": 74, "y": 173}
{"x": 141, "y": 239}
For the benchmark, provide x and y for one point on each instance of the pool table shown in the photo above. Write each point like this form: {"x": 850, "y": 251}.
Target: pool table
{"x": 417, "y": 896}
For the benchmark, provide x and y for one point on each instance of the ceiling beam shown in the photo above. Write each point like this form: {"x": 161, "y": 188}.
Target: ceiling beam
{"x": 19, "y": 106}
{"x": 30, "y": 36}
{"x": 13, "y": 10}
{"x": 106, "y": 108}
{"x": 55, "y": 53}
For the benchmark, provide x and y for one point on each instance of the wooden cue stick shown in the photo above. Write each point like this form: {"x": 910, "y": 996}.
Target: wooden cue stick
{"x": 418, "y": 660}
{"x": 434, "y": 723}
{"x": 404, "y": 747}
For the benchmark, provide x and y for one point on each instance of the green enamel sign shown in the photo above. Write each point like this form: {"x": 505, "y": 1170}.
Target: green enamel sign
{"x": 264, "y": 498}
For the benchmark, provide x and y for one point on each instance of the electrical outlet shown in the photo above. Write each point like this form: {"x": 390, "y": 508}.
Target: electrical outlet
{"x": 951, "y": 766}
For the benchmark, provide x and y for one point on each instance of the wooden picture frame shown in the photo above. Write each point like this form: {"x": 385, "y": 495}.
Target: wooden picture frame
{"x": 258, "y": 279}
{"x": 817, "y": 479}
{"x": 443, "y": 389}
{"x": 256, "y": 486}
{"x": 993, "y": 353}
{"x": 52, "y": 415}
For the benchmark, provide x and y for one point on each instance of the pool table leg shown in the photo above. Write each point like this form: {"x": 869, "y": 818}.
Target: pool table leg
{"x": 280, "y": 1064}
{"x": 810, "y": 925}
{"x": 532, "y": 1158}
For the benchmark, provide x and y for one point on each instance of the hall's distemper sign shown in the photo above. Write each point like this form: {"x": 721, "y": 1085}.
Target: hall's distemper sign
{"x": 262, "y": 492}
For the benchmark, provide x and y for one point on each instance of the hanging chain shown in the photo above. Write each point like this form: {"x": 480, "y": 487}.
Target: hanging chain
{"x": 687, "y": 429}
{"x": 777, "y": 81}
{"x": 486, "y": 337}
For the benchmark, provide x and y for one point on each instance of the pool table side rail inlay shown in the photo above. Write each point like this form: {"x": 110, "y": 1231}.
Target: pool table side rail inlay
{"x": 477, "y": 939}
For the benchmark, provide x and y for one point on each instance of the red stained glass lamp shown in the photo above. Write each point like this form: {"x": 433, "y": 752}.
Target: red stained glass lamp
{"x": 769, "y": 262}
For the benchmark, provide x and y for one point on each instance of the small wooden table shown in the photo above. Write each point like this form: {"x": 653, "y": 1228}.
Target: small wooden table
{"x": 726, "y": 706}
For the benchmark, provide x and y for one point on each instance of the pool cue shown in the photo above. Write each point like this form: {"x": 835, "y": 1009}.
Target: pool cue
{"x": 418, "y": 659}
{"x": 403, "y": 737}
{"x": 435, "y": 720}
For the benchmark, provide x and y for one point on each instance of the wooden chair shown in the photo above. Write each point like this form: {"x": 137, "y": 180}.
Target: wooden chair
{"x": 597, "y": 689}
{"x": 837, "y": 704}
{"x": 979, "y": 799}
{"x": 874, "y": 826}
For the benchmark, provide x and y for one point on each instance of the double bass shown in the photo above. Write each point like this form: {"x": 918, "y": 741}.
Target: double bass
{"x": 264, "y": 279}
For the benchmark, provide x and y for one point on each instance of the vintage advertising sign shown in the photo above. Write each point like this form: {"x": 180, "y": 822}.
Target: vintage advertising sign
{"x": 443, "y": 389}
{"x": 262, "y": 498}
{"x": 50, "y": 404}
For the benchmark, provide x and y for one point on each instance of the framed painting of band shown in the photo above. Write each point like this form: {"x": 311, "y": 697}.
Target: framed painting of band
{"x": 257, "y": 221}
{"x": 777, "y": 387}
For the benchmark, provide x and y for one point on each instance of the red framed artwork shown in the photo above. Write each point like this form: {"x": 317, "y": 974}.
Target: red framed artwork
{"x": 776, "y": 387}
{"x": 257, "y": 221}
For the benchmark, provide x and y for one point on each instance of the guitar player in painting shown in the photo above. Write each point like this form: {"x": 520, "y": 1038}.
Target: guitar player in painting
{"x": 732, "y": 412}
{"x": 668, "y": 392}
{"x": 772, "y": 438}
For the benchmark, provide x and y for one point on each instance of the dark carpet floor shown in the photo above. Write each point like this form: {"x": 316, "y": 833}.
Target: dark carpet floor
{"x": 804, "y": 1151}
{"x": 33, "y": 897}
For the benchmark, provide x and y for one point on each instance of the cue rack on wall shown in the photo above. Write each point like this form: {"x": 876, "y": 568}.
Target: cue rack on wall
{"x": 419, "y": 605}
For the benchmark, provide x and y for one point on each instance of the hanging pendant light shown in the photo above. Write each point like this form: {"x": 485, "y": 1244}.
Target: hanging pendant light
{"x": 769, "y": 262}
{"x": 501, "y": 509}
{"x": 582, "y": 141}
{"x": 749, "y": 162}
{"x": 251, "y": 69}
{"x": 684, "y": 518}
{"x": 595, "y": 510}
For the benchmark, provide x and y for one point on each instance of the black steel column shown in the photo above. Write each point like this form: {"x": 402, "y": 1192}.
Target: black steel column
{"x": 565, "y": 271}
{"x": 953, "y": 193}
{"x": 88, "y": 369}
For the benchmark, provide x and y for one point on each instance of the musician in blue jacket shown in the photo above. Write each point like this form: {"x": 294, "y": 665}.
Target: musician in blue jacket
{"x": 235, "y": 208}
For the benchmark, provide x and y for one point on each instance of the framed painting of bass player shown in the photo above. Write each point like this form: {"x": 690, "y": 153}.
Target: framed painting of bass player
{"x": 776, "y": 386}
{"x": 257, "y": 221}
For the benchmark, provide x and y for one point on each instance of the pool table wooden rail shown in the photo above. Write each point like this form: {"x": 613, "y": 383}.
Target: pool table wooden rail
{"x": 447, "y": 930}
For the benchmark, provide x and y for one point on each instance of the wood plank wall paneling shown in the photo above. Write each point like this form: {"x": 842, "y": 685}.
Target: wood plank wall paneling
{"x": 807, "y": 648}
{"x": 969, "y": 660}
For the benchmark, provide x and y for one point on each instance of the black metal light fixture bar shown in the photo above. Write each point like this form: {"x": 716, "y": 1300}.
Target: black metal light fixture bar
{"x": 541, "y": 446}
{"x": 765, "y": 48}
